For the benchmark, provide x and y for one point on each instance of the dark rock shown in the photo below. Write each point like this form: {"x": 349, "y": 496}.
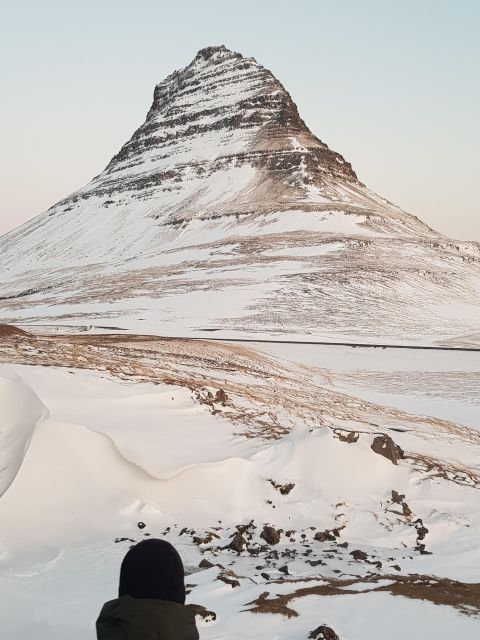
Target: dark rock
{"x": 206, "y": 539}
{"x": 221, "y": 397}
{"x": 323, "y": 633}
{"x": 232, "y": 582}
{"x": 324, "y": 536}
{"x": 284, "y": 570}
{"x": 398, "y": 498}
{"x": 141, "y": 525}
{"x": 205, "y": 564}
{"x": 270, "y": 535}
{"x": 346, "y": 436}
{"x": 386, "y": 447}
{"x": 315, "y": 563}
{"x": 238, "y": 543}
{"x": 359, "y": 555}
{"x": 283, "y": 488}
{"x": 117, "y": 540}
{"x": 202, "y": 612}
{"x": 421, "y": 547}
{"x": 421, "y": 529}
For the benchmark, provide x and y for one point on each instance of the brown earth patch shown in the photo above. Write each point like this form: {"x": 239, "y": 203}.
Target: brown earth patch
{"x": 9, "y": 331}
{"x": 465, "y": 597}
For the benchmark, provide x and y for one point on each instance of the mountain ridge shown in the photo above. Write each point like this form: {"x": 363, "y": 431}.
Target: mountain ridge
{"x": 223, "y": 190}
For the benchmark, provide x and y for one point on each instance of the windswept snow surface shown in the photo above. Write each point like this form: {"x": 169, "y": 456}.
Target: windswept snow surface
{"x": 20, "y": 410}
{"x": 132, "y": 435}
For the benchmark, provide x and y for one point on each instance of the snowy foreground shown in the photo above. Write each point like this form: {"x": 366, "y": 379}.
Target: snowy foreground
{"x": 258, "y": 460}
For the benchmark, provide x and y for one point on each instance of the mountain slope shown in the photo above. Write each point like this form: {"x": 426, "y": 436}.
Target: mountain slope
{"x": 224, "y": 190}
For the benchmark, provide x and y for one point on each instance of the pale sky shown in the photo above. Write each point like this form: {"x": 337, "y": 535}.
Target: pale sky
{"x": 392, "y": 86}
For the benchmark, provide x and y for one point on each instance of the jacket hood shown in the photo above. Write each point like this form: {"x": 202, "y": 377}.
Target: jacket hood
{"x": 153, "y": 569}
{"x": 128, "y": 618}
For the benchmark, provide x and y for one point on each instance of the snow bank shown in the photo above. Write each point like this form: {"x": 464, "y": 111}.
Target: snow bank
{"x": 20, "y": 410}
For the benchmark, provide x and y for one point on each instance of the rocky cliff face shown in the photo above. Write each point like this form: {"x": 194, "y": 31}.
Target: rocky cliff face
{"x": 224, "y": 188}
{"x": 221, "y": 137}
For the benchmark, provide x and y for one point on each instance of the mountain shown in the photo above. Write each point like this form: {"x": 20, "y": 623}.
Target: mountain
{"x": 224, "y": 212}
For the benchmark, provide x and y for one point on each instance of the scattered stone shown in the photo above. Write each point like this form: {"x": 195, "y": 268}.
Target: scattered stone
{"x": 323, "y": 633}
{"x": 324, "y": 536}
{"x": 206, "y": 539}
{"x": 233, "y": 583}
{"x": 245, "y": 528}
{"x": 238, "y": 543}
{"x": 398, "y": 498}
{"x": 221, "y": 397}
{"x": 386, "y": 447}
{"x": 117, "y": 540}
{"x": 396, "y": 567}
{"x": 421, "y": 547}
{"x": 265, "y": 576}
{"x": 357, "y": 554}
{"x": 203, "y": 613}
{"x": 270, "y": 535}
{"x": 141, "y": 525}
{"x": 205, "y": 564}
{"x": 421, "y": 529}
{"x": 284, "y": 570}
{"x": 283, "y": 488}
{"x": 315, "y": 563}
{"x": 346, "y": 436}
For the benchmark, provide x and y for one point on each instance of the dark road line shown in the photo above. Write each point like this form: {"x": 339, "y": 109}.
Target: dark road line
{"x": 360, "y": 345}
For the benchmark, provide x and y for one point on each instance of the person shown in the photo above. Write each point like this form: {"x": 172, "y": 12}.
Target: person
{"x": 151, "y": 602}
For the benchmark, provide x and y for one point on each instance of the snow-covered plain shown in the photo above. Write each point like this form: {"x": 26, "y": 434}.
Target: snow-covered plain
{"x": 119, "y": 440}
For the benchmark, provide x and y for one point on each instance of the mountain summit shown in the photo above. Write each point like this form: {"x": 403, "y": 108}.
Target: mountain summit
{"x": 224, "y": 187}
{"x": 223, "y": 138}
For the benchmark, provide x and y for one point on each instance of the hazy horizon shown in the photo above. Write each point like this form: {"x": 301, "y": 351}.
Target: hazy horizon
{"x": 392, "y": 88}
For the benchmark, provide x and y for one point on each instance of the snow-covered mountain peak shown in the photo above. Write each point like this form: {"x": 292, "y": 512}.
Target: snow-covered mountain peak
{"x": 222, "y": 144}
{"x": 224, "y": 106}
{"x": 224, "y": 188}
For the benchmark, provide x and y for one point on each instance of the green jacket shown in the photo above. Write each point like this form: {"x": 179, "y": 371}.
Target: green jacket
{"x": 134, "y": 619}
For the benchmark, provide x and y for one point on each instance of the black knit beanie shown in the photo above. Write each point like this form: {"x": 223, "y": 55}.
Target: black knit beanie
{"x": 153, "y": 569}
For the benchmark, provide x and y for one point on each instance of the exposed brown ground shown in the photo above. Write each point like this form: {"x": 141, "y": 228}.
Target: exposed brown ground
{"x": 8, "y": 331}
{"x": 465, "y": 597}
